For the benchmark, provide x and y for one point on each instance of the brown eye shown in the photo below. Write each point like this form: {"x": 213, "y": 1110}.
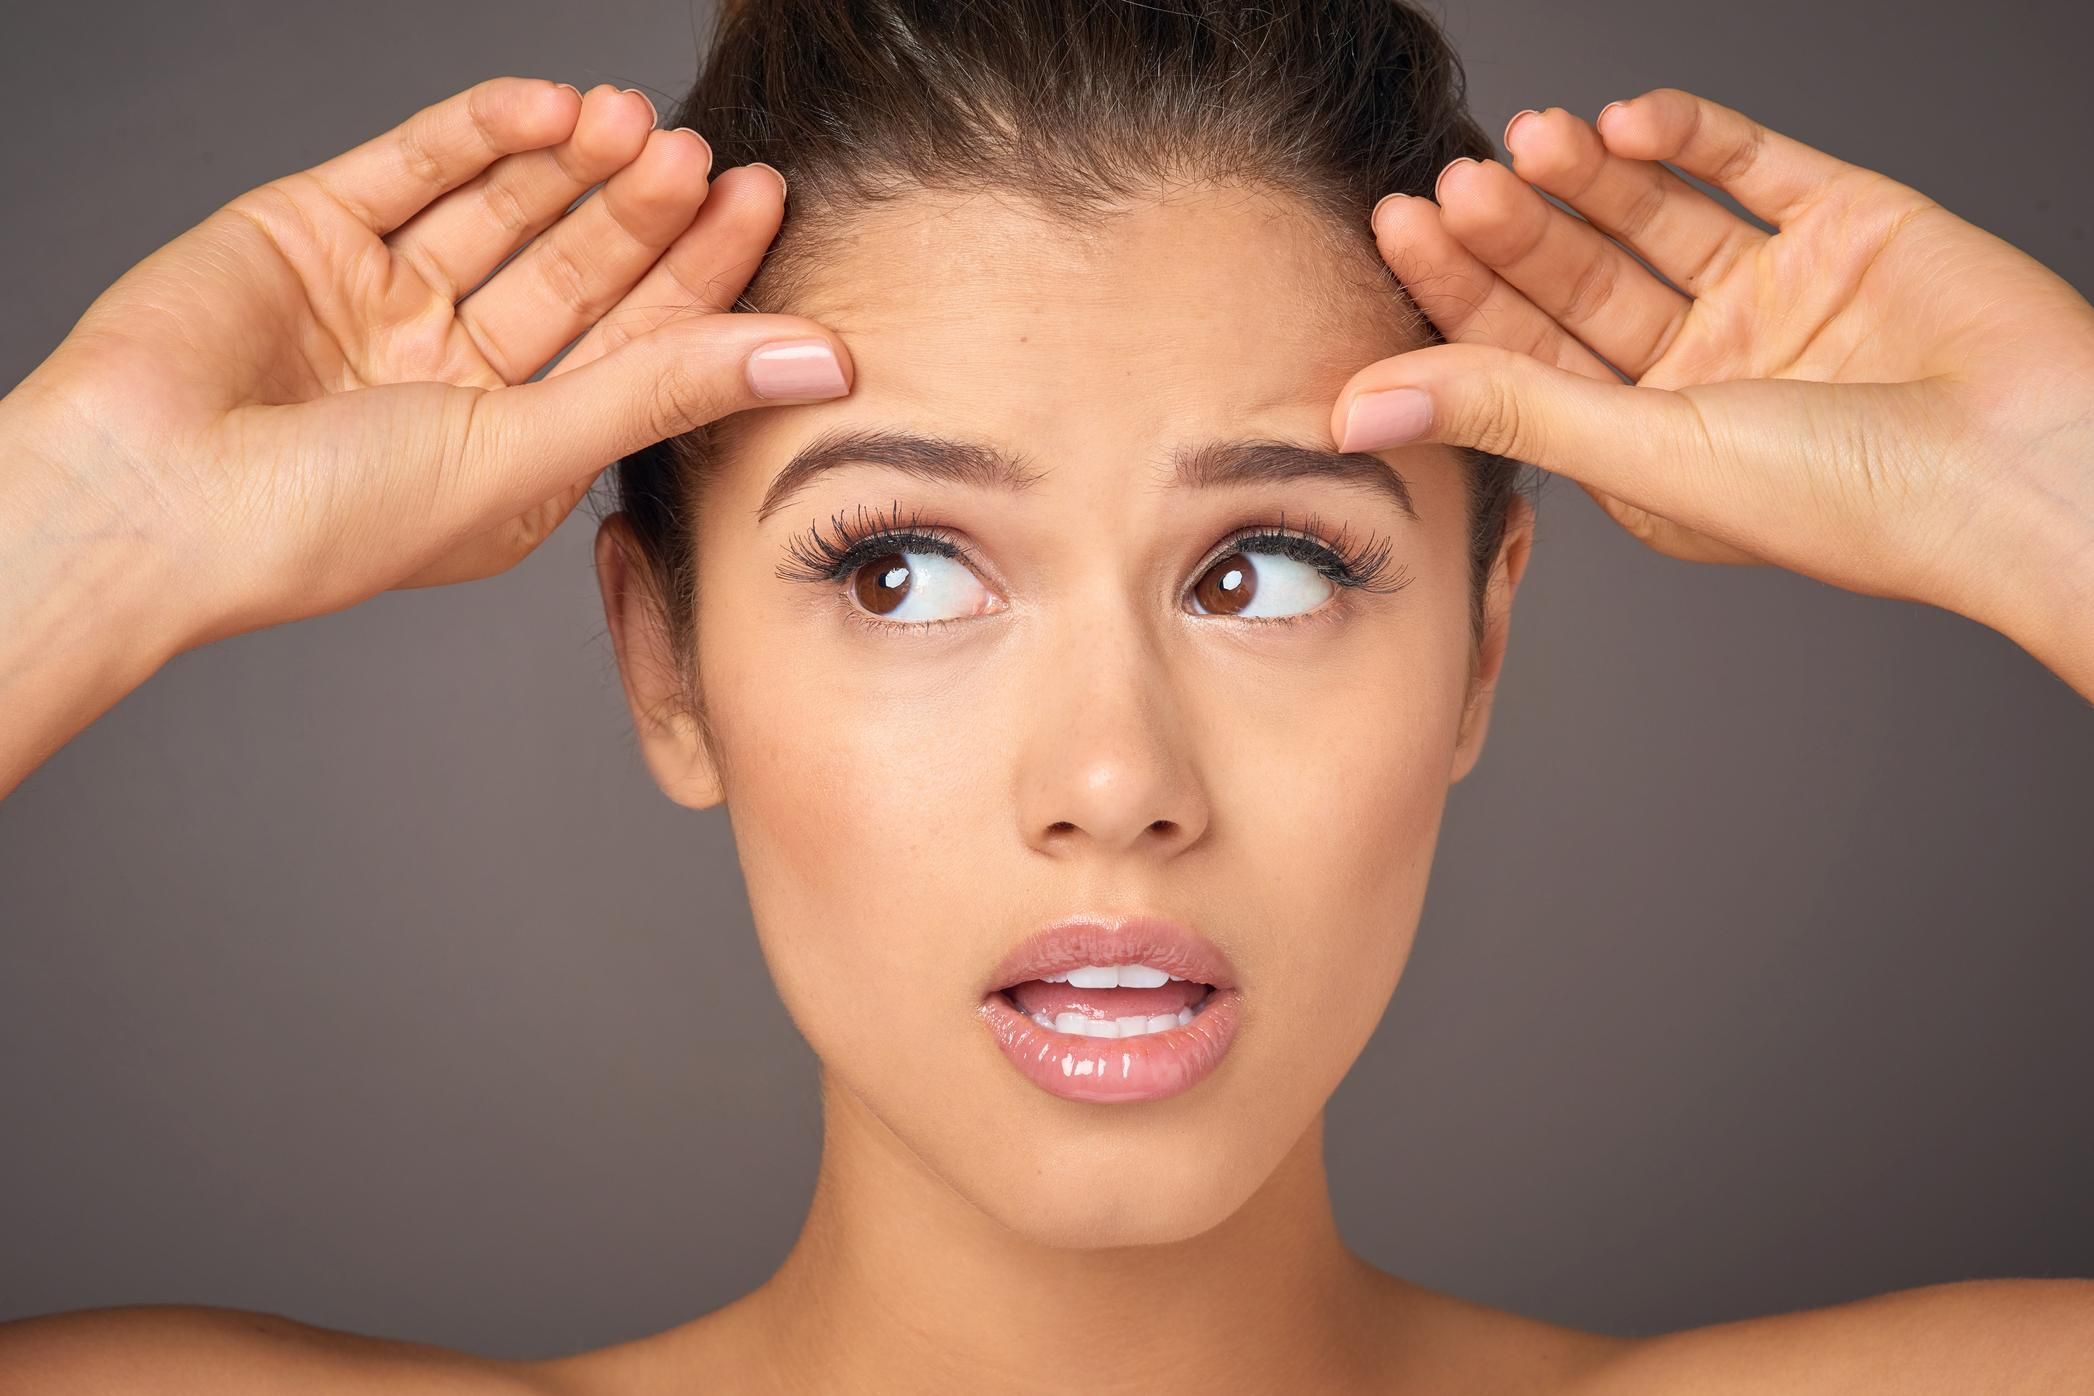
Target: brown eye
{"x": 1227, "y": 587}
{"x": 882, "y": 583}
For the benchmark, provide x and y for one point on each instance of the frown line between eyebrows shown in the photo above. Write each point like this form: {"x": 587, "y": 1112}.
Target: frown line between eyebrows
{"x": 984, "y": 466}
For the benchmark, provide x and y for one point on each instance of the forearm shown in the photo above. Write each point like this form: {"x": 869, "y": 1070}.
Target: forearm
{"x": 85, "y": 614}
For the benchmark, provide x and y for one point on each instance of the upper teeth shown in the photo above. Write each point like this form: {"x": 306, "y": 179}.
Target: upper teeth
{"x": 1112, "y": 977}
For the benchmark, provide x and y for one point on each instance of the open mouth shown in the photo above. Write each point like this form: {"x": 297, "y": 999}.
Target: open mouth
{"x": 1082, "y": 1003}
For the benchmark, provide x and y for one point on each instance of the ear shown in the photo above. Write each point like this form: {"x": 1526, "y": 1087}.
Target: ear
{"x": 1511, "y": 564}
{"x": 672, "y": 737}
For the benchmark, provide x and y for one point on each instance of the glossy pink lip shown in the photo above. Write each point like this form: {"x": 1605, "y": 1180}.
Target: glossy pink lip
{"x": 1114, "y": 940}
{"x": 1126, "y": 1071}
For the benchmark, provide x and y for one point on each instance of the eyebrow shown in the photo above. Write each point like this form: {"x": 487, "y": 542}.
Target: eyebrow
{"x": 983, "y": 466}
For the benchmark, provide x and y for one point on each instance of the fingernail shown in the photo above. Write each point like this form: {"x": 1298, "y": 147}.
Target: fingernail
{"x": 796, "y": 368}
{"x": 1385, "y": 200}
{"x": 1609, "y": 107}
{"x": 1506, "y": 139}
{"x": 708, "y": 145}
{"x": 760, "y": 165}
{"x": 654, "y": 118}
{"x": 1464, "y": 160}
{"x": 1387, "y": 418}
{"x": 570, "y": 87}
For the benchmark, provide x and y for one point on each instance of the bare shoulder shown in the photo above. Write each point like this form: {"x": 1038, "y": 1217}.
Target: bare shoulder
{"x": 149, "y": 1349}
{"x": 2006, "y": 1337}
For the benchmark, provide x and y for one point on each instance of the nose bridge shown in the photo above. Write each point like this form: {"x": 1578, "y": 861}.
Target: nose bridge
{"x": 1107, "y": 758}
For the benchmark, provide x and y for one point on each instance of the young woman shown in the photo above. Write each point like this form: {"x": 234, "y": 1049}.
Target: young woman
{"x": 1084, "y": 653}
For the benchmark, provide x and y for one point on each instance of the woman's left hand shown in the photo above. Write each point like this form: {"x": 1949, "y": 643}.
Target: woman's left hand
{"x": 1879, "y": 394}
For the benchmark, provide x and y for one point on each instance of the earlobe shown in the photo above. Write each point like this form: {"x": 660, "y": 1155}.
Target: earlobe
{"x": 1513, "y": 552}
{"x": 671, "y": 738}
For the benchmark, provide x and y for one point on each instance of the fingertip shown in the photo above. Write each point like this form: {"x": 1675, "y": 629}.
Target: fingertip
{"x": 798, "y": 370}
{"x": 783, "y": 187}
{"x": 1599, "y": 123}
{"x": 1386, "y": 202}
{"x": 1385, "y": 417}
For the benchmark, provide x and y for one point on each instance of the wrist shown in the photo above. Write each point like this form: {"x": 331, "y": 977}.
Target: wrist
{"x": 2033, "y": 580}
{"x": 75, "y": 554}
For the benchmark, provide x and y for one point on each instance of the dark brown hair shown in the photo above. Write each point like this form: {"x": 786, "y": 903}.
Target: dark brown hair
{"x": 1079, "y": 105}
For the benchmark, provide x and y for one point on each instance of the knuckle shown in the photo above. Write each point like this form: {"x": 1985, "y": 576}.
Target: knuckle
{"x": 1501, "y": 429}
{"x": 1744, "y": 153}
{"x": 684, "y": 397}
{"x": 565, "y": 277}
{"x": 1592, "y": 288}
{"x": 506, "y": 207}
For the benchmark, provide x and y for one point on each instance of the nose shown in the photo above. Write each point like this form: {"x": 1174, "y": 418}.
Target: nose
{"x": 1107, "y": 761}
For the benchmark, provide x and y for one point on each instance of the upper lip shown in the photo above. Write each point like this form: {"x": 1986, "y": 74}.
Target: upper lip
{"x": 1115, "y": 940}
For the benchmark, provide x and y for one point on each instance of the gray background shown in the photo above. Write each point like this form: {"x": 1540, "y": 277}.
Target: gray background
{"x": 355, "y": 970}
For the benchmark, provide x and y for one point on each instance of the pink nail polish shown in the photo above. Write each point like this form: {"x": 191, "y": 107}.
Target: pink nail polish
{"x": 796, "y": 368}
{"x": 1387, "y": 418}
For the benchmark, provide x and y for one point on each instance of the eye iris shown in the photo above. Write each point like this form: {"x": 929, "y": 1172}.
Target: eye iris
{"x": 1228, "y": 586}
{"x": 883, "y": 583}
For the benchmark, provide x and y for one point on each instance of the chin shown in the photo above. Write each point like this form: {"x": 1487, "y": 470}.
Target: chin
{"x": 1139, "y": 1196}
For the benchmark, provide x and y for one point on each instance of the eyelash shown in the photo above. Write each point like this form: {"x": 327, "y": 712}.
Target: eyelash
{"x": 815, "y": 558}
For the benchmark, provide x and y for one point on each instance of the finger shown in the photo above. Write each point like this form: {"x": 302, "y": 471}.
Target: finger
{"x": 1576, "y": 276}
{"x": 1787, "y": 470}
{"x": 564, "y": 282}
{"x": 541, "y": 438}
{"x": 1466, "y": 300}
{"x": 456, "y": 243}
{"x": 703, "y": 271}
{"x": 1685, "y": 235}
{"x": 1772, "y": 175}
{"x": 388, "y": 178}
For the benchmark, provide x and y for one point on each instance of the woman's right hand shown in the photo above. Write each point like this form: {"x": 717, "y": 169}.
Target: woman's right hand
{"x": 310, "y": 397}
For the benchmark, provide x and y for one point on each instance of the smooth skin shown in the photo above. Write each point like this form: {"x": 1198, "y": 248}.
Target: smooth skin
{"x": 237, "y": 471}
{"x": 1877, "y": 394}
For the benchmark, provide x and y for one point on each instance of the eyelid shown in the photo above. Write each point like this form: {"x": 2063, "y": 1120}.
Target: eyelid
{"x": 1228, "y": 544}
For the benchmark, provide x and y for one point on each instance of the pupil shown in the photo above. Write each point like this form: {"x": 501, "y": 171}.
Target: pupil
{"x": 883, "y": 583}
{"x": 1228, "y": 586}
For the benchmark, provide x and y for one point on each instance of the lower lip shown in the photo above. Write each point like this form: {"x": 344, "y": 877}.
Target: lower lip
{"x": 1154, "y": 1066}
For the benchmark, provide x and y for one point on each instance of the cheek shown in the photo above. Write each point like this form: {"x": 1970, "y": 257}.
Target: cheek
{"x": 1334, "y": 797}
{"x": 859, "y": 815}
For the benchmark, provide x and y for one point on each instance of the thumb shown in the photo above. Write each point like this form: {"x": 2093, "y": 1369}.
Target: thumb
{"x": 540, "y": 437}
{"x": 1768, "y": 465}
{"x": 1602, "y": 433}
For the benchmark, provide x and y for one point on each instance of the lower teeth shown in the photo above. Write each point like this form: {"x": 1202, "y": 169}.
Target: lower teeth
{"x": 1077, "y": 1025}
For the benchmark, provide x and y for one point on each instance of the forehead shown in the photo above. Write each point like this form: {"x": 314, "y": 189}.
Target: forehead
{"x": 1207, "y": 309}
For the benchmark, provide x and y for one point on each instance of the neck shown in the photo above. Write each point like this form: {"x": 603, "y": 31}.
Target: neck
{"x": 897, "y": 1283}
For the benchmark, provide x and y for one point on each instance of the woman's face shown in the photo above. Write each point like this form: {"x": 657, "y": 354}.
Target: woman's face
{"x": 1081, "y": 713}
